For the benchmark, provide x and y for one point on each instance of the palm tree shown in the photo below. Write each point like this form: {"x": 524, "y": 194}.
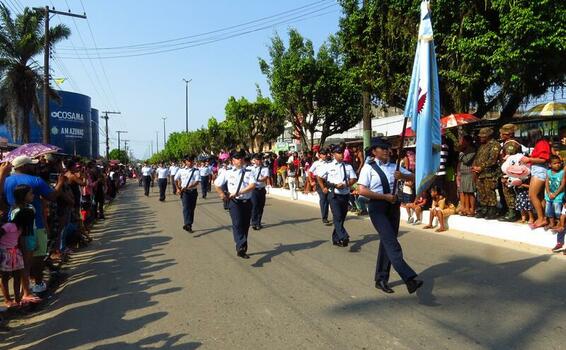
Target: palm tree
{"x": 21, "y": 40}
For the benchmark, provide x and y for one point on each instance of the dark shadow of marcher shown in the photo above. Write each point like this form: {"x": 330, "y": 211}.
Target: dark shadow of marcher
{"x": 284, "y": 248}
{"x": 356, "y": 246}
{"x": 474, "y": 292}
{"x": 107, "y": 283}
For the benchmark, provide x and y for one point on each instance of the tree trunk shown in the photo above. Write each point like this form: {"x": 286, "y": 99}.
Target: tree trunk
{"x": 509, "y": 109}
{"x": 366, "y": 118}
{"x": 26, "y": 125}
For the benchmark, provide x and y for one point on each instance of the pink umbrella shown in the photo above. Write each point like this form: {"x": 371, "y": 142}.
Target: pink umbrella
{"x": 223, "y": 156}
{"x": 32, "y": 150}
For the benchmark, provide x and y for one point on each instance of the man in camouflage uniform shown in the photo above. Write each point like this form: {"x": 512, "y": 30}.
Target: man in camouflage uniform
{"x": 509, "y": 147}
{"x": 486, "y": 175}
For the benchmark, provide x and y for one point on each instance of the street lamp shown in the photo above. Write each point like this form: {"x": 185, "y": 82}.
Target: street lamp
{"x": 157, "y": 141}
{"x": 187, "y": 103}
{"x": 164, "y": 137}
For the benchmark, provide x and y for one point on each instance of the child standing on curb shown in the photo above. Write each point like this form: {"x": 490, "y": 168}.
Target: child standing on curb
{"x": 554, "y": 194}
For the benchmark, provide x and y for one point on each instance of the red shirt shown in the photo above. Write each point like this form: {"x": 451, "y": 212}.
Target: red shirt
{"x": 541, "y": 150}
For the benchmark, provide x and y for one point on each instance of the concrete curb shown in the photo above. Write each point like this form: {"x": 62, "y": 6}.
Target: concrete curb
{"x": 505, "y": 231}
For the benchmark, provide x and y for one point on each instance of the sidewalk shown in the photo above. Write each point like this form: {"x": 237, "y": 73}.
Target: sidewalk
{"x": 520, "y": 233}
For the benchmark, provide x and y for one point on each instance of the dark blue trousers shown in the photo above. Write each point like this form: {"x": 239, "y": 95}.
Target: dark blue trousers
{"x": 240, "y": 212}
{"x": 173, "y": 185}
{"x": 204, "y": 185}
{"x": 323, "y": 203}
{"x": 189, "y": 200}
{"x": 162, "y": 183}
{"x": 339, "y": 207}
{"x": 258, "y": 203}
{"x": 385, "y": 218}
{"x": 146, "y": 184}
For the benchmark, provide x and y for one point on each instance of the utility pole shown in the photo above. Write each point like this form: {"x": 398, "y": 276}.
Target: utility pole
{"x": 119, "y": 132}
{"x": 47, "y": 50}
{"x": 105, "y": 117}
{"x": 157, "y": 141}
{"x": 366, "y": 103}
{"x": 187, "y": 103}
{"x": 164, "y": 137}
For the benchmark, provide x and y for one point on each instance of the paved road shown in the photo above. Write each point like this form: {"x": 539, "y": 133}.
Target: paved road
{"x": 145, "y": 283}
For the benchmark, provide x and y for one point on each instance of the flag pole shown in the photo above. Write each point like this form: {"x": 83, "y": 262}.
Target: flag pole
{"x": 401, "y": 148}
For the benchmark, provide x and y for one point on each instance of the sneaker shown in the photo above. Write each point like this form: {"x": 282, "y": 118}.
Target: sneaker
{"x": 410, "y": 220}
{"x": 39, "y": 288}
{"x": 558, "y": 248}
{"x": 417, "y": 222}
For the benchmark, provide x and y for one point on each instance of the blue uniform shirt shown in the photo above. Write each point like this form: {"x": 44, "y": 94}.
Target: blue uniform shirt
{"x": 338, "y": 173}
{"x": 232, "y": 178}
{"x": 257, "y": 175}
{"x": 370, "y": 178}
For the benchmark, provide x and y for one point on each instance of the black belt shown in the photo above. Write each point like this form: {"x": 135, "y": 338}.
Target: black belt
{"x": 241, "y": 200}
{"x": 259, "y": 189}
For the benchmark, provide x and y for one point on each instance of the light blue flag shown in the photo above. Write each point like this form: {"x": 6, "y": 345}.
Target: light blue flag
{"x": 423, "y": 104}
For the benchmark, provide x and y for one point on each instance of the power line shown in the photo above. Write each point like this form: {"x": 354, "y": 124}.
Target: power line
{"x": 96, "y": 76}
{"x": 82, "y": 63}
{"x": 148, "y": 45}
{"x": 216, "y": 39}
{"x": 100, "y": 60}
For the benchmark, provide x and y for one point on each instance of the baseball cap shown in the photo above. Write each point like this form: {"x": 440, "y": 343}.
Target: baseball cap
{"x": 20, "y": 161}
{"x": 238, "y": 154}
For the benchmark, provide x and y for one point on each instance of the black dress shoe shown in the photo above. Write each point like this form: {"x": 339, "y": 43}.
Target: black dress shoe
{"x": 255, "y": 228}
{"x": 242, "y": 254}
{"x": 185, "y": 227}
{"x": 384, "y": 286}
{"x": 413, "y": 285}
{"x": 325, "y": 221}
{"x": 189, "y": 229}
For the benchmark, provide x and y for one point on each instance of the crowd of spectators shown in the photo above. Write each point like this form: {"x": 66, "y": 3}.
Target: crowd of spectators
{"x": 47, "y": 208}
{"x": 470, "y": 181}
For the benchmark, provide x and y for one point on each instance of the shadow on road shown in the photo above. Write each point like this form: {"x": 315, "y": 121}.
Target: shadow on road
{"x": 480, "y": 301}
{"x": 284, "y": 248}
{"x": 111, "y": 288}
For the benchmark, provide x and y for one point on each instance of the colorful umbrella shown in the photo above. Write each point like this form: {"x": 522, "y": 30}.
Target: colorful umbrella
{"x": 32, "y": 150}
{"x": 454, "y": 120}
{"x": 409, "y": 133}
{"x": 223, "y": 156}
{"x": 550, "y": 109}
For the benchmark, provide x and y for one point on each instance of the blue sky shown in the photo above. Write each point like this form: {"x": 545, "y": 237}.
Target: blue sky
{"x": 149, "y": 87}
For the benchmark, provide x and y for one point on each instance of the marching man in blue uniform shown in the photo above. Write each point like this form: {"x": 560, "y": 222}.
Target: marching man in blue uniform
{"x": 339, "y": 178}
{"x": 261, "y": 174}
{"x": 187, "y": 179}
{"x": 205, "y": 173}
{"x": 316, "y": 168}
{"x": 241, "y": 183}
{"x": 376, "y": 183}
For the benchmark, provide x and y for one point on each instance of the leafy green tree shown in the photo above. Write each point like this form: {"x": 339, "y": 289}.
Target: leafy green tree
{"x": 237, "y": 121}
{"x": 491, "y": 54}
{"x": 315, "y": 90}
{"x": 21, "y": 39}
{"x": 120, "y": 155}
